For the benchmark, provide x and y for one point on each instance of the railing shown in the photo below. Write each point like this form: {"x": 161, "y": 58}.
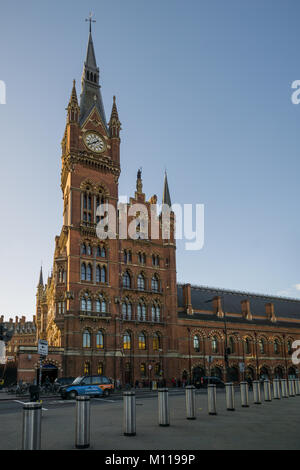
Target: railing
{"x": 89, "y": 313}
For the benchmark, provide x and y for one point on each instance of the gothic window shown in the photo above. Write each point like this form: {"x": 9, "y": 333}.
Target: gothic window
{"x": 142, "y": 258}
{"x": 214, "y": 344}
{"x": 89, "y": 250}
{"x": 87, "y": 368}
{"x": 141, "y": 311}
{"x": 261, "y": 343}
{"x": 247, "y": 346}
{"x": 101, "y": 304}
{"x": 87, "y": 207}
{"x": 155, "y": 313}
{"x": 196, "y": 343}
{"x": 126, "y": 310}
{"x": 127, "y": 341}
{"x": 126, "y": 280}
{"x": 86, "y": 340}
{"x": 89, "y": 272}
{"x": 100, "y": 201}
{"x": 155, "y": 283}
{"x": 141, "y": 282}
{"x": 289, "y": 347}
{"x": 276, "y": 346}
{"x": 98, "y": 274}
{"x": 83, "y": 272}
{"x": 100, "y": 340}
{"x": 60, "y": 308}
{"x": 103, "y": 274}
{"x": 156, "y": 342}
{"x": 155, "y": 260}
{"x": 143, "y": 370}
{"x": 100, "y": 369}
{"x": 86, "y": 303}
{"x": 142, "y": 341}
{"x": 83, "y": 249}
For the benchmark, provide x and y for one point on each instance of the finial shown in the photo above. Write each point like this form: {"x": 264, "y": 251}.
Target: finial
{"x": 90, "y": 19}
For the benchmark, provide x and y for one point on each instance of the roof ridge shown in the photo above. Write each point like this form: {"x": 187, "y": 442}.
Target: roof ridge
{"x": 230, "y": 291}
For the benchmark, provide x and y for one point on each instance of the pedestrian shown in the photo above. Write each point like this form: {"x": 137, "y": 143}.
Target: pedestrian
{"x": 137, "y": 384}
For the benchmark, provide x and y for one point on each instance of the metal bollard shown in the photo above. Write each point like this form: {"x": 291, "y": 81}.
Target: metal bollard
{"x": 267, "y": 390}
{"x": 82, "y": 429}
{"x": 31, "y": 435}
{"x": 129, "y": 414}
{"x": 256, "y": 392}
{"x": 291, "y": 388}
{"x": 190, "y": 402}
{"x": 284, "y": 390}
{"x": 229, "y": 388}
{"x": 163, "y": 407}
{"x": 244, "y": 394}
{"x": 276, "y": 389}
{"x": 212, "y": 399}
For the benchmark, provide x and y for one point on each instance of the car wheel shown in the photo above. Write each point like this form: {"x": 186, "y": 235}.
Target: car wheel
{"x": 106, "y": 393}
{"x": 72, "y": 395}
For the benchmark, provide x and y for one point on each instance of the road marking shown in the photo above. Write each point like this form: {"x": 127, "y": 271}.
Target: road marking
{"x": 105, "y": 399}
{"x": 24, "y": 403}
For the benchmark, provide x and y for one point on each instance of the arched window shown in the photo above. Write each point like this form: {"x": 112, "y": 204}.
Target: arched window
{"x": 87, "y": 368}
{"x": 231, "y": 344}
{"x": 127, "y": 341}
{"x": 83, "y": 272}
{"x": 126, "y": 280}
{"x": 142, "y": 258}
{"x": 141, "y": 282}
{"x": 156, "y": 342}
{"x": 100, "y": 369}
{"x": 86, "y": 303}
{"x": 141, "y": 311}
{"x": 87, "y": 208}
{"x": 276, "y": 346}
{"x": 155, "y": 283}
{"x": 196, "y": 343}
{"x": 214, "y": 344}
{"x": 247, "y": 346}
{"x": 83, "y": 249}
{"x": 155, "y": 313}
{"x": 99, "y": 340}
{"x": 98, "y": 274}
{"x": 103, "y": 274}
{"x": 86, "y": 339}
{"x": 101, "y": 305}
{"x": 289, "y": 347}
{"x": 142, "y": 341}
{"x": 89, "y": 272}
{"x": 143, "y": 370}
{"x": 126, "y": 309}
{"x": 89, "y": 250}
{"x": 261, "y": 343}
{"x": 155, "y": 260}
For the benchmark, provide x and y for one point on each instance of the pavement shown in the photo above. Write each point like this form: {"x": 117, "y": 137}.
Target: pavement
{"x": 271, "y": 425}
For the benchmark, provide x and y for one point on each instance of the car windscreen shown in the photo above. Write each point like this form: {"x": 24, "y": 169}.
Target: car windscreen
{"x": 77, "y": 380}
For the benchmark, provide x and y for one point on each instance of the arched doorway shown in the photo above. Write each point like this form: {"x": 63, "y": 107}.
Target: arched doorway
{"x": 249, "y": 373}
{"x": 278, "y": 372}
{"x": 264, "y": 373}
{"x": 48, "y": 370}
{"x": 292, "y": 373}
{"x": 198, "y": 372}
{"x": 217, "y": 372}
{"x": 233, "y": 374}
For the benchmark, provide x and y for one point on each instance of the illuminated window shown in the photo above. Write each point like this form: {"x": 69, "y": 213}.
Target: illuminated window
{"x": 100, "y": 368}
{"x": 196, "y": 343}
{"x": 87, "y": 368}
{"x": 156, "y": 342}
{"x": 142, "y": 341}
{"x": 86, "y": 343}
{"x": 126, "y": 341}
{"x": 99, "y": 340}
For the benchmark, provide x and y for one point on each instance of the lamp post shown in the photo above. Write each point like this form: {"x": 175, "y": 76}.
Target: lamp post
{"x": 190, "y": 365}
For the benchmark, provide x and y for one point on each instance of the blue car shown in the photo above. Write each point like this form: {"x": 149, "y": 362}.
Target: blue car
{"x": 82, "y": 386}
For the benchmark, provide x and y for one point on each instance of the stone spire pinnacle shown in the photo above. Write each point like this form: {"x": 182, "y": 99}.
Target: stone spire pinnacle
{"x": 139, "y": 182}
{"x": 114, "y": 122}
{"x": 166, "y": 194}
{"x": 41, "y": 281}
{"x": 73, "y": 108}
{"x": 90, "y": 89}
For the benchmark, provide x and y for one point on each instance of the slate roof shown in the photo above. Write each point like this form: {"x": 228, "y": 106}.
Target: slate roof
{"x": 283, "y": 307}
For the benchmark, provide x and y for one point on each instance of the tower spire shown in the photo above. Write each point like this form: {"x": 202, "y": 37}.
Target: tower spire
{"x": 41, "y": 281}
{"x": 166, "y": 194}
{"x": 90, "y": 89}
{"x": 73, "y": 108}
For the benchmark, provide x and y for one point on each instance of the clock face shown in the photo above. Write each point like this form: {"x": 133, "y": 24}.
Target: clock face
{"x": 94, "y": 142}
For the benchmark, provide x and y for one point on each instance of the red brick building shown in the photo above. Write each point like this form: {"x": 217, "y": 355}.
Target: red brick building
{"x": 113, "y": 306}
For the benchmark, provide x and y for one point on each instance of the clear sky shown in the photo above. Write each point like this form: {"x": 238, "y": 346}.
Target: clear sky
{"x": 203, "y": 89}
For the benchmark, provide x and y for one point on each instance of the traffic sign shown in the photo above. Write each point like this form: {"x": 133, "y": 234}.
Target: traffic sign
{"x": 43, "y": 347}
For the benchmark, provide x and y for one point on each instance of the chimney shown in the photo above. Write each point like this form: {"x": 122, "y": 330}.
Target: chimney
{"x": 187, "y": 298}
{"x": 217, "y": 306}
{"x": 246, "y": 309}
{"x": 270, "y": 312}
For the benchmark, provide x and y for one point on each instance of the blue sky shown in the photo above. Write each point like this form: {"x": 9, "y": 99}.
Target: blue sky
{"x": 203, "y": 89}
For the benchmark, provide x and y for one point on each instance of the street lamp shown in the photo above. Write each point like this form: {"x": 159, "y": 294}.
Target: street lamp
{"x": 190, "y": 365}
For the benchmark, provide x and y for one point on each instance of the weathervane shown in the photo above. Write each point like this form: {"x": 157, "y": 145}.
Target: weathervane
{"x": 90, "y": 19}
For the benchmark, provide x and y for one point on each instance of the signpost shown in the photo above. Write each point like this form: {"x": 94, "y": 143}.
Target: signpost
{"x": 43, "y": 352}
